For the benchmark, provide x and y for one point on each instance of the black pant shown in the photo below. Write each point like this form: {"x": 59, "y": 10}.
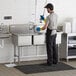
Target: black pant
{"x": 52, "y": 52}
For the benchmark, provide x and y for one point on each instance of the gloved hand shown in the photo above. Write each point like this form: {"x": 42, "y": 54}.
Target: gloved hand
{"x": 42, "y": 18}
{"x": 38, "y": 28}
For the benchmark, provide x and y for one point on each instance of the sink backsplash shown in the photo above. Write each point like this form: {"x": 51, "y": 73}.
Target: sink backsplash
{"x": 21, "y": 29}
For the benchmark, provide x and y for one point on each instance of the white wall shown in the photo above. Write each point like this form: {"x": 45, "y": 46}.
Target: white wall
{"x": 20, "y": 10}
{"x": 23, "y": 11}
{"x": 64, "y": 8}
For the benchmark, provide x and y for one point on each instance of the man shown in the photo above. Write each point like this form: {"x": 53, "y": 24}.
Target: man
{"x": 51, "y": 26}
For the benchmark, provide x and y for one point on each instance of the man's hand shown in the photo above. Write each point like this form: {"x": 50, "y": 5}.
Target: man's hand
{"x": 43, "y": 28}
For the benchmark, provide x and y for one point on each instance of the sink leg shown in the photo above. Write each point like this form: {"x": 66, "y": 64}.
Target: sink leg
{"x": 18, "y": 55}
{"x": 58, "y": 53}
{"x": 14, "y": 53}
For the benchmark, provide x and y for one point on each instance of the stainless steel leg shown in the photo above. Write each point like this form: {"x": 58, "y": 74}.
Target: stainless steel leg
{"x": 14, "y": 53}
{"x": 58, "y": 54}
{"x": 19, "y": 55}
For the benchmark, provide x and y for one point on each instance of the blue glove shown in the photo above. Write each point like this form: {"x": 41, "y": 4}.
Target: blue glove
{"x": 42, "y": 17}
{"x": 38, "y": 28}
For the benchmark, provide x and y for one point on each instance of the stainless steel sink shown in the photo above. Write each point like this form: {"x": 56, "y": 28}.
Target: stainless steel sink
{"x": 23, "y": 35}
{"x": 21, "y": 29}
{"x": 24, "y": 39}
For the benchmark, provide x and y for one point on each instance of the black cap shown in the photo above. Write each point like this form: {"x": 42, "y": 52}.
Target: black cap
{"x": 49, "y": 5}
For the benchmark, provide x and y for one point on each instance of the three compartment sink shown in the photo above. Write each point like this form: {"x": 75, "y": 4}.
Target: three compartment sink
{"x": 32, "y": 39}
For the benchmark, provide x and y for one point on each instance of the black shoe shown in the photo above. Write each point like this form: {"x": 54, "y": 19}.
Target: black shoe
{"x": 55, "y": 62}
{"x": 49, "y": 64}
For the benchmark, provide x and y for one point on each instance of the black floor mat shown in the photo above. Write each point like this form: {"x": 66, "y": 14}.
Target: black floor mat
{"x": 39, "y": 68}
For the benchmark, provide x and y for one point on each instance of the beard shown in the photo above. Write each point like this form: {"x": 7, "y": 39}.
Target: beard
{"x": 48, "y": 11}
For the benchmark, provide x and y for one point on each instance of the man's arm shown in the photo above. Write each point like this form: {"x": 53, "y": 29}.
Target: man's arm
{"x": 46, "y": 23}
{"x": 45, "y": 26}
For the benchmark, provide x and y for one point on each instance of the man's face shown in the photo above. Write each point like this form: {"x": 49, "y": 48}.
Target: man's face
{"x": 48, "y": 10}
